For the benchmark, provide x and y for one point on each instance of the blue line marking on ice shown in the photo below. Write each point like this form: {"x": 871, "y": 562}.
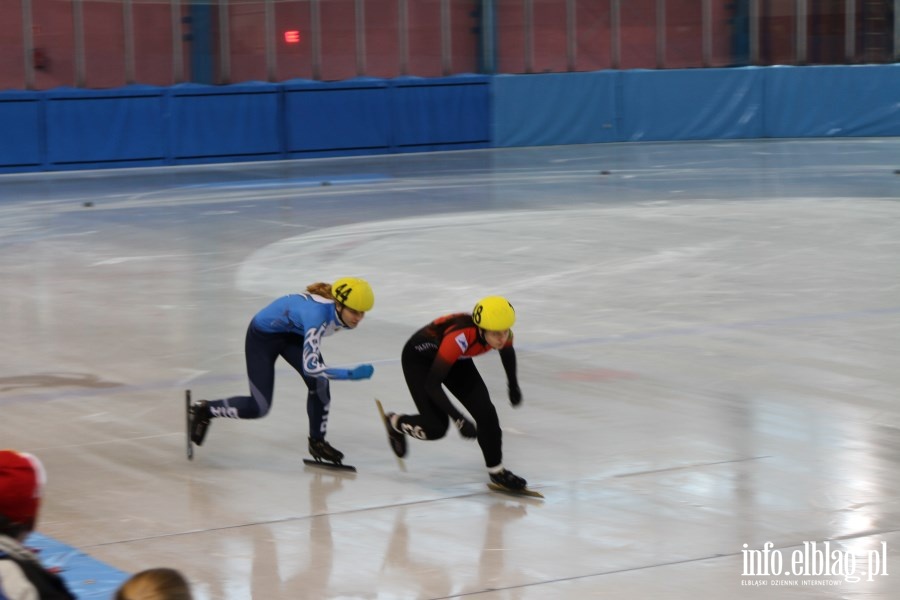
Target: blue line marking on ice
{"x": 294, "y": 182}
{"x": 86, "y": 577}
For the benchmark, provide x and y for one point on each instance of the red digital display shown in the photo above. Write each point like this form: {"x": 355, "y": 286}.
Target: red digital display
{"x": 292, "y": 37}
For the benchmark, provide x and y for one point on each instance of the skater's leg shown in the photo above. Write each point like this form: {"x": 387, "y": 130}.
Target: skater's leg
{"x": 318, "y": 402}
{"x": 431, "y": 423}
{"x": 465, "y": 382}
{"x": 261, "y": 352}
{"x": 318, "y": 396}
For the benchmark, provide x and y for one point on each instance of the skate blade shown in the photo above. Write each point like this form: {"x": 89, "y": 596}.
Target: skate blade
{"x": 328, "y": 465}
{"x": 187, "y": 413}
{"x": 400, "y": 462}
{"x": 523, "y": 492}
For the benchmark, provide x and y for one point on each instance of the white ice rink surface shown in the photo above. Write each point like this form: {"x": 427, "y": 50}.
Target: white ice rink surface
{"x": 708, "y": 347}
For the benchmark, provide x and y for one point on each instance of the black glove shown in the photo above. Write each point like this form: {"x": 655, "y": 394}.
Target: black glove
{"x": 466, "y": 427}
{"x": 515, "y": 394}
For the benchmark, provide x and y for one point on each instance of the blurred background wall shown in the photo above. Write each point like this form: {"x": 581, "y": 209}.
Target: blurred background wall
{"x": 111, "y": 43}
{"x": 146, "y": 82}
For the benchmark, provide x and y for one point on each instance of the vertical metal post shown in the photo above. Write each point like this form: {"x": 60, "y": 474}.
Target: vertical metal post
{"x": 78, "y": 31}
{"x": 850, "y": 31}
{"x": 754, "y": 33}
{"x": 128, "y": 34}
{"x": 315, "y": 22}
{"x": 529, "y": 35}
{"x": 802, "y": 31}
{"x": 615, "y": 25}
{"x": 488, "y": 36}
{"x": 446, "y": 43}
{"x": 571, "y": 36}
{"x": 707, "y": 33}
{"x": 224, "y": 43}
{"x": 896, "y": 30}
{"x": 177, "y": 43}
{"x": 660, "y": 34}
{"x": 28, "y": 43}
{"x": 271, "y": 53}
{"x": 403, "y": 31}
{"x": 360, "y": 38}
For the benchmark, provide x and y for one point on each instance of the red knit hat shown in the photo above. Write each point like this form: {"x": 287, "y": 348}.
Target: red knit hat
{"x": 21, "y": 481}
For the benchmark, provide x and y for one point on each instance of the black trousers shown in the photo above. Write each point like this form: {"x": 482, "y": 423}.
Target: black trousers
{"x": 465, "y": 383}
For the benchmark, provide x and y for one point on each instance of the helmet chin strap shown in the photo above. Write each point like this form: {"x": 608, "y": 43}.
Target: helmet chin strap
{"x": 340, "y": 315}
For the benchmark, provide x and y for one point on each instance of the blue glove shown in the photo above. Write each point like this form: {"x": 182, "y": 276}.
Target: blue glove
{"x": 360, "y": 372}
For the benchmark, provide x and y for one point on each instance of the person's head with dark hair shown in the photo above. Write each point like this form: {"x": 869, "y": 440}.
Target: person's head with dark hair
{"x": 22, "y": 481}
{"x": 155, "y": 584}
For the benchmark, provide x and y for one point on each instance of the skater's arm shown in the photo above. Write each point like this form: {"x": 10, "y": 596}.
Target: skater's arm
{"x": 314, "y": 366}
{"x": 508, "y": 359}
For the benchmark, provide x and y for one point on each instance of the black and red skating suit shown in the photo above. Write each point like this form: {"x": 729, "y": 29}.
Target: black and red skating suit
{"x": 440, "y": 354}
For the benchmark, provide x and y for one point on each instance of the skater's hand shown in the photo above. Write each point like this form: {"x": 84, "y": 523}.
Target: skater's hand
{"x": 466, "y": 427}
{"x": 361, "y": 372}
{"x": 515, "y": 394}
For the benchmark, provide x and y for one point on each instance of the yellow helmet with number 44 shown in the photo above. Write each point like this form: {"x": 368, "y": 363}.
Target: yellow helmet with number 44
{"x": 494, "y": 313}
{"x": 354, "y": 293}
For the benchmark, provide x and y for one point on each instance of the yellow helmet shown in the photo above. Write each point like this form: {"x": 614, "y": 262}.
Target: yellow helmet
{"x": 354, "y": 293}
{"x": 494, "y": 313}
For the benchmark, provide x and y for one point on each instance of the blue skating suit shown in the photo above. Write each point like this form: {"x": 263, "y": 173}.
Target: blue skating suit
{"x": 310, "y": 317}
{"x": 291, "y": 327}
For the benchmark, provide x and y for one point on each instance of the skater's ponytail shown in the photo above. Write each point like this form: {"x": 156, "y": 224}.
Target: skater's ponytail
{"x": 320, "y": 288}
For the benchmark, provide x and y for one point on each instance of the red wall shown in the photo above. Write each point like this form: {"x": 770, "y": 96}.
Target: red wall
{"x": 153, "y": 44}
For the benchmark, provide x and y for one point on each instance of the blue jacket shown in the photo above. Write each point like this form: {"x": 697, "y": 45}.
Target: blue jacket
{"x": 312, "y": 318}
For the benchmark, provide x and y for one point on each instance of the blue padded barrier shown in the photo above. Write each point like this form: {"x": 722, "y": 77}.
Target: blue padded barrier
{"x": 86, "y": 577}
{"x": 222, "y": 123}
{"x": 339, "y": 117}
{"x": 190, "y": 123}
{"x": 559, "y": 108}
{"x": 442, "y": 113}
{"x": 696, "y": 104}
{"x": 94, "y": 127}
{"x": 832, "y": 101}
{"x": 22, "y": 137}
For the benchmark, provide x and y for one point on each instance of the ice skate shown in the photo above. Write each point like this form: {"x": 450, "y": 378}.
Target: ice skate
{"x": 198, "y": 417}
{"x": 508, "y": 482}
{"x": 397, "y": 439}
{"x": 326, "y": 455}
